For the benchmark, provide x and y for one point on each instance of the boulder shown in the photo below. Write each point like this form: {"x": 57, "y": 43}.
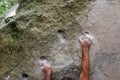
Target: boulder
{"x": 50, "y": 29}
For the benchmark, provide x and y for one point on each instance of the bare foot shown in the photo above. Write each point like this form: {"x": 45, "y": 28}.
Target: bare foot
{"x": 85, "y": 41}
{"x": 46, "y": 67}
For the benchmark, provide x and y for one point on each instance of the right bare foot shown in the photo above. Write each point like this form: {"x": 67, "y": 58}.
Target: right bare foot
{"x": 85, "y": 41}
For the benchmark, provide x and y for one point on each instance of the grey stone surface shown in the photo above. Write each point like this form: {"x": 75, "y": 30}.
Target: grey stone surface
{"x": 103, "y": 22}
{"x": 43, "y": 28}
{"x": 51, "y": 29}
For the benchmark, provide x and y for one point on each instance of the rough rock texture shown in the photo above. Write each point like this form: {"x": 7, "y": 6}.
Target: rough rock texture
{"x": 43, "y": 28}
{"x": 51, "y": 28}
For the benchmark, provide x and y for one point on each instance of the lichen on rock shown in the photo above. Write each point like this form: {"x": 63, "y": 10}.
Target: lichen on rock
{"x": 43, "y": 28}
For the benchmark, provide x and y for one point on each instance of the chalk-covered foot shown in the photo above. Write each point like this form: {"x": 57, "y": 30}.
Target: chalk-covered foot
{"x": 46, "y": 67}
{"x": 85, "y": 41}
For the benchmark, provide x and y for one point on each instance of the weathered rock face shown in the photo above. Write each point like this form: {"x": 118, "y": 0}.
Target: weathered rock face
{"x": 43, "y": 28}
{"x": 51, "y": 29}
{"x": 103, "y": 22}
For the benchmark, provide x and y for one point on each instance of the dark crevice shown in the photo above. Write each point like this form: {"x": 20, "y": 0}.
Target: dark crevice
{"x": 60, "y": 31}
{"x": 86, "y": 32}
{"x": 24, "y": 75}
{"x": 42, "y": 57}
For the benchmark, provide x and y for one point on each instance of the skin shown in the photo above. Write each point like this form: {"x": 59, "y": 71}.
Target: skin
{"x": 85, "y": 45}
{"x": 47, "y": 69}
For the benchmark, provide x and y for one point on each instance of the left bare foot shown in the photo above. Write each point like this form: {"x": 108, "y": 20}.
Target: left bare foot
{"x": 46, "y": 67}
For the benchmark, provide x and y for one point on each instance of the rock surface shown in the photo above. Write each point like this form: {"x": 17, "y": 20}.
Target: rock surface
{"x": 103, "y": 22}
{"x": 51, "y": 29}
